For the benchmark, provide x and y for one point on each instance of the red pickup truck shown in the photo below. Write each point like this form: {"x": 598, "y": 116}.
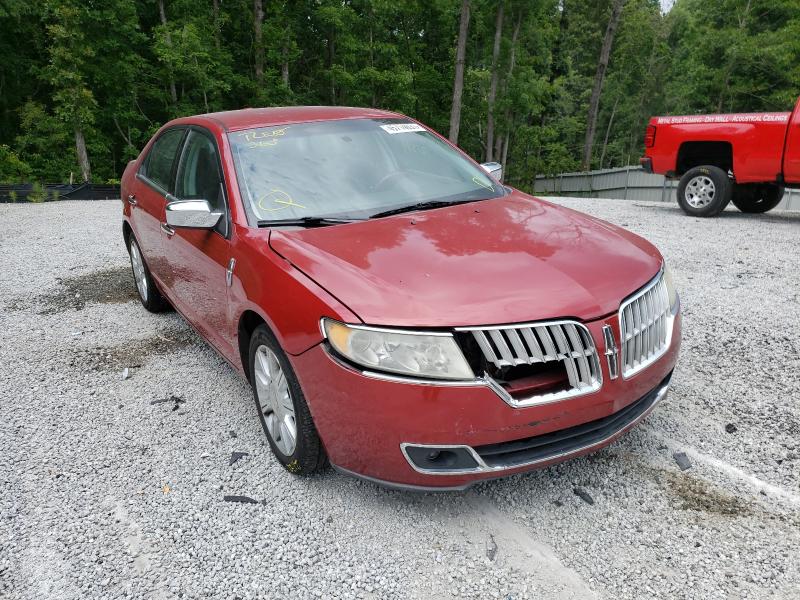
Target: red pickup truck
{"x": 747, "y": 158}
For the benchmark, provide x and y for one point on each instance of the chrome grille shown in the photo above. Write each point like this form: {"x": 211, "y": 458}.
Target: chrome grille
{"x": 645, "y": 322}
{"x": 566, "y": 341}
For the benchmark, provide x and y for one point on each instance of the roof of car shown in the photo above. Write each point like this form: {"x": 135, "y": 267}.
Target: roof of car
{"x": 247, "y": 118}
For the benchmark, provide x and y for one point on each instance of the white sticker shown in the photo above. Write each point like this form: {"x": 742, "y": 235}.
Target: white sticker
{"x": 402, "y": 128}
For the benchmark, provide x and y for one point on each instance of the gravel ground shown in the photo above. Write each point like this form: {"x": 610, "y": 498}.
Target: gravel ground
{"x": 106, "y": 494}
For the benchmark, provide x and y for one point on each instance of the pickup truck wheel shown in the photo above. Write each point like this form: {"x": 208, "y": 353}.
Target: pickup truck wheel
{"x": 149, "y": 294}
{"x": 758, "y": 198}
{"x": 704, "y": 191}
{"x": 282, "y": 408}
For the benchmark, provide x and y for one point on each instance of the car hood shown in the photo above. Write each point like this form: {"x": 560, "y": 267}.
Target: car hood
{"x": 507, "y": 260}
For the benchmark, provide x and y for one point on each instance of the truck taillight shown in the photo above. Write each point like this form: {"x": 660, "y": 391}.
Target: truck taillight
{"x": 650, "y": 136}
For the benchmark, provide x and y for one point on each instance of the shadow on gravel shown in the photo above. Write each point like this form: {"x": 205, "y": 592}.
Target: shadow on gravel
{"x": 109, "y": 286}
{"x": 783, "y": 216}
{"x": 134, "y": 353}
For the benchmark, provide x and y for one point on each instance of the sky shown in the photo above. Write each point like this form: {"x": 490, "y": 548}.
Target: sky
{"x": 666, "y": 4}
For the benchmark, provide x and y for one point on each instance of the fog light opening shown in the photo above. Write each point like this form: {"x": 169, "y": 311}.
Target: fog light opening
{"x": 440, "y": 459}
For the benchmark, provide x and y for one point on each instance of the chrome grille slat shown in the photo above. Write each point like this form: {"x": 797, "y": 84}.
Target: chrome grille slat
{"x": 564, "y": 351}
{"x": 583, "y": 364}
{"x": 547, "y": 341}
{"x": 533, "y": 344}
{"x": 486, "y": 347}
{"x": 519, "y": 347}
{"x": 502, "y": 347}
{"x": 648, "y": 307}
{"x": 645, "y": 322}
{"x": 568, "y": 342}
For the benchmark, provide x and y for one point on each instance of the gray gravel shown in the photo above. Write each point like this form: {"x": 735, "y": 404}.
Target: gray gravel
{"x": 106, "y": 494}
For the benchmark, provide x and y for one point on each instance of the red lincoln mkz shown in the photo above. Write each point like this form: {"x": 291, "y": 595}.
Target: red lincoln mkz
{"x": 397, "y": 310}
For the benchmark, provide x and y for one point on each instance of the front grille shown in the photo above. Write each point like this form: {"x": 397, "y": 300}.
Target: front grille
{"x": 567, "y": 343}
{"x": 645, "y": 322}
{"x": 545, "y": 447}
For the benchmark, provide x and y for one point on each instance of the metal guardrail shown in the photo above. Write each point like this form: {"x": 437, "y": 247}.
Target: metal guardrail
{"x": 627, "y": 183}
{"x": 27, "y": 192}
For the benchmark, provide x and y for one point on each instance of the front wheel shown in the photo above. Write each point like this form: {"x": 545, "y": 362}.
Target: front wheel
{"x": 282, "y": 407}
{"x": 704, "y": 191}
{"x": 149, "y": 294}
{"x": 757, "y": 198}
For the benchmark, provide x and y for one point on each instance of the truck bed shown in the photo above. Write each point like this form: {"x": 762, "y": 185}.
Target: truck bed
{"x": 756, "y": 141}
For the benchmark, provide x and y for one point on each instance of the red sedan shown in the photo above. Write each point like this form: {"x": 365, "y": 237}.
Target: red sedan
{"x": 398, "y": 311}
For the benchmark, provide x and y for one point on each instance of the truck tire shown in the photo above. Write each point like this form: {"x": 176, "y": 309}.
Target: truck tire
{"x": 704, "y": 191}
{"x": 757, "y": 198}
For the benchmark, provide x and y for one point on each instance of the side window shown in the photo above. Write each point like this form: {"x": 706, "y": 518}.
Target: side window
{"x": 199, "y": 177}
{"x": 158, "y": 165}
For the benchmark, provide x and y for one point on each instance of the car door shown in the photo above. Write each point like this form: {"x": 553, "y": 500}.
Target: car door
{"x": 198, "y": 259}
{"x": 152, "y": 185}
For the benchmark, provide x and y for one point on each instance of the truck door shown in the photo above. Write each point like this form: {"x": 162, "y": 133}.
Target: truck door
{"x": 791, "y": 150}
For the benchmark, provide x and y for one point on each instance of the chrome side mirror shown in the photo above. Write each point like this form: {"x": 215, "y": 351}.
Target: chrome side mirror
{"x": 195, "y": 214}
{"x": 495, "y": 169}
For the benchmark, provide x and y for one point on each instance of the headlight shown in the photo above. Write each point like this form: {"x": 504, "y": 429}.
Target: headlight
{"x": 673, "y": 293}
{"x": 428, "y": 355}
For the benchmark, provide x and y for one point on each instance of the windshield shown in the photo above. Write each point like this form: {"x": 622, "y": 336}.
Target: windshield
{"x": 351, "y": 168}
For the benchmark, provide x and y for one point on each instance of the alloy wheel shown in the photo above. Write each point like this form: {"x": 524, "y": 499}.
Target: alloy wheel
{"x": 275, "y": 400}
{"x": 700, "y": 191}
{"x": 139, "y": 272}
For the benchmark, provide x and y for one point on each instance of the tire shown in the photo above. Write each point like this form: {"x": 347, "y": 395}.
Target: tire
{"x": 280, "y": 404}
{"x": 757, "y": 198}
{"x": 704, "y": 191}
{"x": 149, "y": 293}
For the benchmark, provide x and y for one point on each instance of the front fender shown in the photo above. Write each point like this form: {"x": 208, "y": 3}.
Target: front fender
{"x": 288, "y": 301}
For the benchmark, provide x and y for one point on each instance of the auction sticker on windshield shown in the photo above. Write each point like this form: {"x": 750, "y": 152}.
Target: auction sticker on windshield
{"x": 402, "y": 128}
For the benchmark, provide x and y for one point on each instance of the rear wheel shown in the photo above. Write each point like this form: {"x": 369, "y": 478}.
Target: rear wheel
{"x": 704, "y": 191}
{"x": 282, "y": 407}
{"x": 758, "y": 197}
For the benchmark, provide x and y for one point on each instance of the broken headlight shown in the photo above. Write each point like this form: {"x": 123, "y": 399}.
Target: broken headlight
{"x": 431, "y": 355}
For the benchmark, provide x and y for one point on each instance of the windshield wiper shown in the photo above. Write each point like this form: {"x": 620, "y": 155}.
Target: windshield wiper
{"x": 306, "y": 222}
{"x": 421, "y": 206}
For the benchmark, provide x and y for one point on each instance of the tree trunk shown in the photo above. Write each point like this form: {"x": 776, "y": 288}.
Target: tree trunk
{"x": 557, "y": 63}
{"x": 498, "y": 36}
{"x": 729, "y": 65}
{"x": 83, "y": 157}
{"x": 258, "y": 40}
{"x": 285, "y": 64}
{"x": 600, "y": 75}
{"x": 505, "y": 153}
{"x": 331, "y": 58}
{"x": 511, "y": 64}
{"x": 608, "y": 132}
{"x": 168, "y": 37}
{"x": 372, "y": 61}
{"x": 127, "y": 138}
{"x": 215, "y": 7}
{"x": 458, "y": 80}
{"x": 205, "y": 95}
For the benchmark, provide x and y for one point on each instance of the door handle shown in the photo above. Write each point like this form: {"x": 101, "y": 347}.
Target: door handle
{"x": 229, "y": 272}
{"x": 132, "y": 199}
{"x": 167, "y": 229}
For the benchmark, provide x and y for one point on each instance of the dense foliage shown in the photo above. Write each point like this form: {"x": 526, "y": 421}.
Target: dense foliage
{"x": 100, "y": 76}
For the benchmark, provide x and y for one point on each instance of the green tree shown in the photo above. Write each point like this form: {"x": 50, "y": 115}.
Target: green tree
{"x": 69, "y": 54}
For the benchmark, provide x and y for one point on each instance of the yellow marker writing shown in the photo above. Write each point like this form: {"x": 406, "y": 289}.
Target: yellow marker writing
{"x": 271, "y": 134}
{"x": 277, "y": 196}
